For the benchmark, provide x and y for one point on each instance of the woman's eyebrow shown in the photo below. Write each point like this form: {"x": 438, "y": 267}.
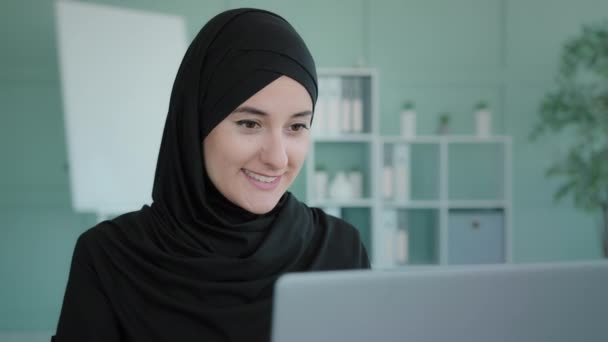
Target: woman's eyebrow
{"x": 249, "y": 110}
{"x": 304, "y": 113}
{"x": 256, "y": 111}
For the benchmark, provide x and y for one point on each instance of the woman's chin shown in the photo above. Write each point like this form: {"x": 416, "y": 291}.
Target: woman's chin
{"x": 261, "y": 207}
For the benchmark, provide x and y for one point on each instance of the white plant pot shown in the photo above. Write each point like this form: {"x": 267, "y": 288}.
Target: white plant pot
{"x": 321, "y": 179}
{"x": 483, "y": 123}
{"x": 408, "y": 124}
{"x": 356, "y": 183}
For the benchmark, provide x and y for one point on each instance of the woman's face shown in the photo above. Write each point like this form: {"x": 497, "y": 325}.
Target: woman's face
{"x": 256, "y": 152}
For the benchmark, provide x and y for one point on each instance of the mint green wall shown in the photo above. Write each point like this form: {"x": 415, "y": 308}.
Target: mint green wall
{"x": 445, "y": 55}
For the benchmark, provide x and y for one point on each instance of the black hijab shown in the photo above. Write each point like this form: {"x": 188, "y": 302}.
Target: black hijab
{"x": 193, "y": 266}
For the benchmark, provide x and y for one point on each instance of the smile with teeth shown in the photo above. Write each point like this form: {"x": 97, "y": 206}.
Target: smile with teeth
{"x": 260, "y": 178}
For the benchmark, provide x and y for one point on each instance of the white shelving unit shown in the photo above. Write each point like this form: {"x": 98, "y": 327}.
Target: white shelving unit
{"x": 340, "y": 150}
{"x": 443, "y": 203}
{"x": 365, "y": 149}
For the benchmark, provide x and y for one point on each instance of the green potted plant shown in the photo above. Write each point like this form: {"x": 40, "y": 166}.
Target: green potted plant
{"x": 579, "y": 104}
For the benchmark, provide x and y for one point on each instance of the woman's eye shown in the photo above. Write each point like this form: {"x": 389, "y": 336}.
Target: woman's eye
{"x": 298, "y": 127}
{"x": 247, "y": 124}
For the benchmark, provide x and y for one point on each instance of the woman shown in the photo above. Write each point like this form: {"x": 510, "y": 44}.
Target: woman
{"x": 199, "y": 264}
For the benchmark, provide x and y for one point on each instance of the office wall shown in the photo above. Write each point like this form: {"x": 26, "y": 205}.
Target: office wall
{"x": 444, "y": 54}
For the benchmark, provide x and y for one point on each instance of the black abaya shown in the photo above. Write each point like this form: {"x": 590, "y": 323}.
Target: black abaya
{"x": 193, "y": 266}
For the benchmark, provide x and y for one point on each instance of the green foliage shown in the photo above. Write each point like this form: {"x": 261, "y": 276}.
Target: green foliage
{"x": 444, "y": 118}
{"x": 579, "y": 104}
{"x": 408, "y": 105}
{"x": 481, "y": 105}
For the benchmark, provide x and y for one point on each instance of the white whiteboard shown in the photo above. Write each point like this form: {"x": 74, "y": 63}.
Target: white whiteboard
{"x": 117, "y": 68}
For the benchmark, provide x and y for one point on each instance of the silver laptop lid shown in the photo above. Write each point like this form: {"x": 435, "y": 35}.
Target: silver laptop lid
{"x": 523, "y": 303}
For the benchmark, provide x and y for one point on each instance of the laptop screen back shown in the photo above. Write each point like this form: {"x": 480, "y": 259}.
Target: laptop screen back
{"x": 523, "y": 303}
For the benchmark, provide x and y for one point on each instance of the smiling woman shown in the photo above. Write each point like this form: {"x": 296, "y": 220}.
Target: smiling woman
{"x": 254, "y": 155}
{"x": 200, "y": 262}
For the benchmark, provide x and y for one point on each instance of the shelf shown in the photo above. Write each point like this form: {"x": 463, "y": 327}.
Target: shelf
{"x": 435, "y": 139}
{"x": 452, "y": 204}
{"x": 418, "y": 267}
{"x": 475, "y": 139}
{"x": 345, "y": 137}
{"x": 476, "y": 204}
{"x": 416, "y": 204}
{"x": 346, "y": 203}
{"x": 347, "y": 72}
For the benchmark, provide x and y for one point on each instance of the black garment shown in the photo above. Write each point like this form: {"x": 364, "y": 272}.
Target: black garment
{"x": 193, "y": 266}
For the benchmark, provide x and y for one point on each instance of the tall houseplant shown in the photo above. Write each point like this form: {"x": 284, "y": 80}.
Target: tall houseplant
{"x": 579, "y": 104}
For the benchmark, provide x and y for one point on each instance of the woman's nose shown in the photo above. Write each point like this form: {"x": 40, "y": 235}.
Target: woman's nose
{"x": 273, "y": 152}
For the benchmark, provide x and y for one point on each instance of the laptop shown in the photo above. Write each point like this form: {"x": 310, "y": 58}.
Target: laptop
{"x": 562, "y": 302}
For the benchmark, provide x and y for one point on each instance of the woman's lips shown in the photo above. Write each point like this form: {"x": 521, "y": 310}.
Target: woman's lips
{"x": 260, "y": 181}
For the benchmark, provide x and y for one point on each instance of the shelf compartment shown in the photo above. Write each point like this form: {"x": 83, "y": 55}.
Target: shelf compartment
{"x": 361, "y": 219}
{"x": 346, "y": 203}
{"x": 420, "y": 165}
{"x": 408, "y": 237}
{"x": 417, "y": 204}
{"x": 476, "y": 171}
{"x": 335, "y": 157}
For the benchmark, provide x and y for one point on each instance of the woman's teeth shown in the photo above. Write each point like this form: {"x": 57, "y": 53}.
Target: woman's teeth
{"x": 260, "y": 177}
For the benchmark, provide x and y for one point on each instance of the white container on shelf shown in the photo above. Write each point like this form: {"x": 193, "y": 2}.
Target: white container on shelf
{"x": 401, "y": 246}
{"x": 408, "y": 123}
{"x": 389, "y": 229}
{"x": 402, "y": 183}
{"x": 388, "y": 176}
{"x": 334, "y": 96}
{"x": 401, "y": 156}
{"x": 333, "y": 117}
{"x": 346, "y": 125}
{"x": 357, "y": 115}
{"x": 483, "y": 123}
{"x": 340, "y": 187}
{"x": 357, "y": 107}
{"x": 356, "y": 181}
{"x": 321, "y": 180}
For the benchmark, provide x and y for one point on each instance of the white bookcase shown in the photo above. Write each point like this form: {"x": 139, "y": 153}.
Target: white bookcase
{"x": 346, "y": 95}
{"x": 443, "y": 201}
{"x": 358, "y": 149}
